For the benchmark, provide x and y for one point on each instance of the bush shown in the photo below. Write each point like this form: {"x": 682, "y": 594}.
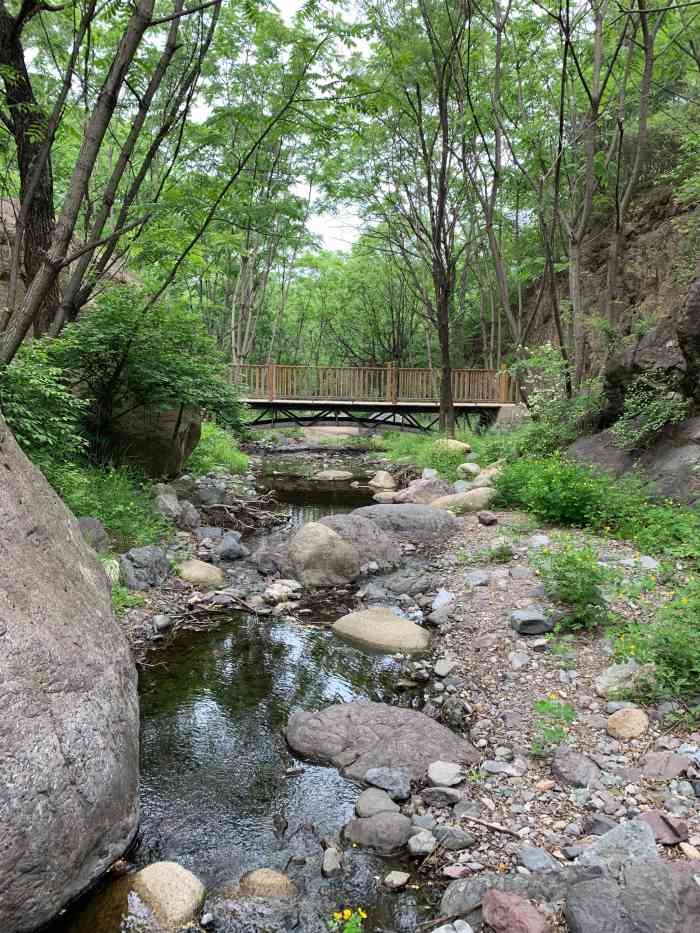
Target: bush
{"x": 119, "y": 359}
{"x": 42, "y": 412}
{"x": 671, "y": 644}
{"x": 120, "y": 498}
{"x": 556, "y": 490}
{"x": 572, "y": 576}
{"x": 425, "y": 451}
{"x": 216, "y": 453}
{"x": 648, "y": 407}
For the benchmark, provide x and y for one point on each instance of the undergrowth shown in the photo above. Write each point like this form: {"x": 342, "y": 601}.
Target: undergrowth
{"x": 425, "y": 451}
{"x": 217, "y": 452}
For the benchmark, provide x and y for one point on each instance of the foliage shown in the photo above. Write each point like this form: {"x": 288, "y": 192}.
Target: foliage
{"x": 671, "y": 644}
{"x": 119, "y": 497}
{"x": 120, "y": 358}
{"x": 572, "y": 575}
{"x": 552, "y": 721}
{"x": 556, "y": 490}
{"x": 347, "y": 920}
{"x": 42, "y": 412}
{"x": 216, "y": 452}
{"x": 649, "y": 406}
{"x": 123, "y": 599}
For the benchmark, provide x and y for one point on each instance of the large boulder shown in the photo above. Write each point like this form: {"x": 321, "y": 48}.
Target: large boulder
{"x": 472, "y": 501}
{"x": 382, "y": 630}
{"x": 368, "y": 539}
{"x": 358, "y": 736}
{"x": 143, "y": 567}
{"x": 320, "y": 557}
{"x": 417, "y": 524}
{"x": 158, "y": 441}
{"x": 423, "y": 491}
{"x": 69, "y": 729}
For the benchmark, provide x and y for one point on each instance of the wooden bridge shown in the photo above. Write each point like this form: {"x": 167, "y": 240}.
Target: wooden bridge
{"x": 368, "y": 395}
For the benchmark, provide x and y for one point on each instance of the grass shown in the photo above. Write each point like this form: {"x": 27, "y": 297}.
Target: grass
{"x": 217, "y": 452}
{"x": 425, "y": 451}
{"x": 119, "y": 497}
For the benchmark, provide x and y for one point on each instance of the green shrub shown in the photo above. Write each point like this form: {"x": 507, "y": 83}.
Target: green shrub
{"x": 120, "y": 498}
{"x": 671, "y": 644}
{"x": 123, "y": 599}
{"x": 426, "y": 451}
{"x": 42, "y": 412}
{"x": 216, "y": 453}
{"x": 572, "y": 576}
{"x": 648, "y": 407}
{"x": 556, "y": 490}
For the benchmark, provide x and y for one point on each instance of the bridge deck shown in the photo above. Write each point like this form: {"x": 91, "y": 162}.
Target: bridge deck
{"x": 370, "y": 386}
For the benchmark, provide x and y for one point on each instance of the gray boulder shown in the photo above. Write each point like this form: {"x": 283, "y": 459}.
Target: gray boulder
{"x": 531, "y": 621}
{"x": 229, "y": 547}
{"x": 368, "y": 539}
{"x": 395, "y": 781}
{"x": 189, "y": 517}
{"x": 423, "y": 491}
{"x": 386, "y": 832}
{"x": 143, "y": 567}
{"x": 417, "y": 524}
{"x": 361, "y": 735}
{"x": 94, "y": 533}
{"x": 320, "y": 557}
{"x": 69, "y": 733}
{"x": 168, "y": 506}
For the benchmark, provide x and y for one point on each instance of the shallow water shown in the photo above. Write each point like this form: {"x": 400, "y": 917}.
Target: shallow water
{"x": 216, "y": 789}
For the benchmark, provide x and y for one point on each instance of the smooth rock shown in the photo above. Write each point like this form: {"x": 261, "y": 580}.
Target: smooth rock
{"x": 229, "y": 547}
{"x": 382, "y": 480}
{"x": 468, "y": 470}
{"x": 331, "y": 866}
{"x": 423, "y": 491}
{"x": 573, "y": 768}
{"x": 396, "y": 782}
{"x": 332, "y": 476}
{"x": 453, "y": 838}
{"x": 539, "y": 541}
{"x": 461, "y": 502}
{"x": 382, "y": 630}
{"x": 440, "y": 796}
{"x": 452, "y": 445}
{"x": 320, "y": 557}
{"x": 487, "y": 518}
{"x": 509, "y": 913}
{"x": 384, "y": 497}
{"x": 199, "y": 573}
{"x": 375, "y": 800}
{"x": 385, "y": 832}
{"x": 537, "y": 860}
{"x": 281, "y": 591}
{"x": 417, "y": 524}
{"x": 266, "y": 882}
{"x": 361, "y": 735}
{"x": 69, "y": 733}
{"x": 396, "y": 880}
{"x": 444, "y": 667}
{"x": 619, "y": 677}
{"x": 174, "y": 894}
{"x": 627, "y": 724}
{"x": 445, "y": 773}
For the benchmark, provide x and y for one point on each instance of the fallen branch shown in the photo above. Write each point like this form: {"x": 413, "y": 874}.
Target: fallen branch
{"x": 496, "y": 827}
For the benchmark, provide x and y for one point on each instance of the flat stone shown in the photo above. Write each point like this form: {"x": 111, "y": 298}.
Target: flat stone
{"x": 396, "y": 782}
{"x": 515, "y": 768}
{"x": 598, "y": 824}
{"x": 537, "y": 860}
{"x": 382, "y": 630}
{"x": 359, "y": 736}
{"x": 477, "y": 578}
{"x": 627, "y": 724}
{"x": 417, "y": 524}
{"x": 333, "y": 476}
{"x": 518, "y": 660}
{"x": 472, "y": 501}
{"x": 531, "y": 621}
{"x": 440, "y": 796}
{"x": 266, "y": 882}
{"x": 375, "y": 800}
{"x": 444, "y": 667}
{"x": 667, "y": 830}
{"x": 624, "y": 845}
{"x": 510, "y": 913}
{"x": 664, "y": 766}
{"x": 453, "y": 838}
{"x": 445, "y": 774}
{"x": 573, "y": 768}
{"x": 396, "y": 880}
{"x": 199, "y": 573}
{"x": 422, "y": 844}
{"x": 174, "y": 894}
{"x": 385, "y": 832}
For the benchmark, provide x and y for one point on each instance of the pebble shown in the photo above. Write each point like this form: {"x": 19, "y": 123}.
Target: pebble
{"x": 422, "y": 844}
{"x": 444, "y": 667}
{"x": 332, "y": 866}
{"x": 396, "y": 880}
{"x": 445, "y": 774}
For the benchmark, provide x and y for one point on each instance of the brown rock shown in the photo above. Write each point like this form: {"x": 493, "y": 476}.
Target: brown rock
{"x": 174, "y": 894}
{"x": 628, "y": 723}
{"x": 486, "y": 518}
{"x": 667, "y": 830}
{"x": 664, "y": 766}
{"x": 266, "y": 882}
{"x": 509, "y": 913}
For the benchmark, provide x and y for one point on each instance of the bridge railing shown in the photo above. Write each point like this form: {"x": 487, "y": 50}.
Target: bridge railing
{"x": 278, "y": 382}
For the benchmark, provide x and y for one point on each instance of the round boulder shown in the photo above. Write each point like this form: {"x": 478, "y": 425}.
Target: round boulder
{"x": 417, "y": 524}
{"x": 266, "y": 882}
{"x": 472, "y": 501}
{"x": 174, "y": 894}
{"x": 199, "y": 573}
{"x": 382, "y": 480}
{"x": 628, "y": 723}
{"x": 320, "y": 557}
{"x": 383, "y": 630}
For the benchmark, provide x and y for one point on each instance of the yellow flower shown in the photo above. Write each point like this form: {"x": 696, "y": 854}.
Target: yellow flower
{"x": 337, "y": 915}
{"x": 362, "y": 913}
{"x": 347, "y": 913}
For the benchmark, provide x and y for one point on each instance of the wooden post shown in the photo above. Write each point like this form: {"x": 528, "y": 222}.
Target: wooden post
{"x": 271, "y": 381}
{"x": 391, "y": 383}
{"x": 504, "y": 386}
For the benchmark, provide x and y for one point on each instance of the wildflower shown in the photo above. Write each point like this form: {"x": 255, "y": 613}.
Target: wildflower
{"x": 337, "y": 916}
{"x": 362, "y": 913}
{"x": 347, "y": 913}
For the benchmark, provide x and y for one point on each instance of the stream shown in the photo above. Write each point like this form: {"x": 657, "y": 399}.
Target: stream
{"x": 221, "y": 793}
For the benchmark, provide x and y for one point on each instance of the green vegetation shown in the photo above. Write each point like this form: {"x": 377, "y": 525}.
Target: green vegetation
{"x": 217, "y": 452}
{"x": 572, "y": 576}
{"x": 123, "y": 599}
{"x": 119, "y": 497}
{"x": 552, "y": 725}
{"x": 425, "y": 451}
{"x": 649, "y": 406}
